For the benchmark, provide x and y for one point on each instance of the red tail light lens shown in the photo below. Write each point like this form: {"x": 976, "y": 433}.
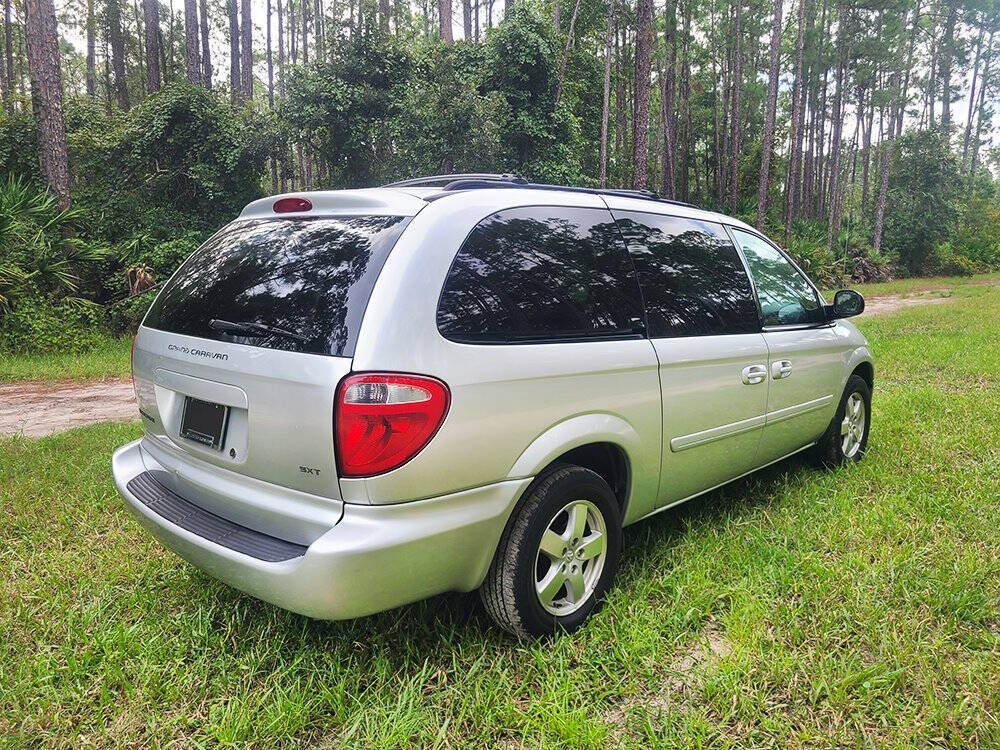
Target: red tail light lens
{"x": 291, "y": 205}
{"x": 384, "y": 420}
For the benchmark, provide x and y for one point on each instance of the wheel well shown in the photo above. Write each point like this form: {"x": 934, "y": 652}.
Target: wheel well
{"x": 867, "y": 372}
{"x": 608, "y": 461}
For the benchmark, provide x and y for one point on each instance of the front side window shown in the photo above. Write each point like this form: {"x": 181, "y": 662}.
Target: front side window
{"x": 786, "y": 296}
{"x": 294, "y": 284}
{"x": 692, "y": 278}
{"x": 540, "y": 273}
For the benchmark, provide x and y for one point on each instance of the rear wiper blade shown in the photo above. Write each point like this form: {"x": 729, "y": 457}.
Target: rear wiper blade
{"x": 248, "y": 328}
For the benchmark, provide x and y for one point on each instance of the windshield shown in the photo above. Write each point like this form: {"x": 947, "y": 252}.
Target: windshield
{"x": 271, "y": 277}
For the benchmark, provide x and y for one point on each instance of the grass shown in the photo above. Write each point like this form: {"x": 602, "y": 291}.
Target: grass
{"x": 798, "y": 608}
{"x": 111, "y": 359}
{"x": 919, "y": 285}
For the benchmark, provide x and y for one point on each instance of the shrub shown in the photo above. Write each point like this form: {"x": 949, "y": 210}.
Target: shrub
{"x": 35, "y": 324}
{"x": 40, "y": 251}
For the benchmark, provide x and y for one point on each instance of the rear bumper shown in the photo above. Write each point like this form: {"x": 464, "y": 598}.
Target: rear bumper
{"x": 373, "y": 559}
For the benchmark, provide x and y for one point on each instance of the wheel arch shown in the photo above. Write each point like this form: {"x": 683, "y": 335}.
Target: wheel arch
{"x": 603, "y": 443}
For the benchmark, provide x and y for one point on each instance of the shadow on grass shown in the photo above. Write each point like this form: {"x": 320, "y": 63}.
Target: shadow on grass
{"x": 458, "y": 618}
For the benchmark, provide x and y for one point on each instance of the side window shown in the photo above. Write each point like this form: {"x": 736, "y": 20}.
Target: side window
{"x": 692, "y": 278}
{"x": 786, "y": 297}
{"x": 540, "y": 273}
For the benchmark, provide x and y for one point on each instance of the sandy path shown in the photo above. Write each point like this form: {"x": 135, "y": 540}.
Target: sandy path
{"x": 892, "y": 302}
{"x": 37, "y": 408}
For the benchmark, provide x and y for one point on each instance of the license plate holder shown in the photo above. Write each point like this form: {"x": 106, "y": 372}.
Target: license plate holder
{"x": 204, "y": 422}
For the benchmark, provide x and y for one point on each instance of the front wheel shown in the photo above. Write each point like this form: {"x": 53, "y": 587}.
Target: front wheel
{"x": 558, "y": 555}
{"x": 846, "y": 439}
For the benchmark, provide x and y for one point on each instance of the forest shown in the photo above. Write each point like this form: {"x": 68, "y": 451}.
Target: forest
{"x": 857, "y": 133}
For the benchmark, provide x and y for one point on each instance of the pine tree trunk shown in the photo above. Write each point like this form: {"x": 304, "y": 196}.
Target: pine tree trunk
{"x": 42, "y": 39}
{"x": 736, "y": 132}
{"x": 192, "y": 57}
{"x": 795, "y": 134}
{"x": 235, "y": 79}
{"x": 8, "y": 52}
{"x": 384, "y": 11}
{"x": 833, "y": 215}
{"x": 972, "y": 96}
{"x": 667, "y": 109}
{"x": 444, "y": 15}
{"x": 467, "y": 19}
{"x": 91, "y": 73}
{"x": 206, "y": 51}
{"x": 281, "y": 52}
{"x": 141, "y": 54}
{"x": 619, "y": 103}
{"x": 767, "y": 139}
{"x": 979, "y": 110}
{"x": 107, "y": 76}
{"x": 269, "y": 57}
{"x": 118, "y": 53}
{"x": 606, "y": 101}
{"x": 151, "y": 19}
{"x": 688, "y": 147}
{"x": 640, "y": 125}
{"x": 867, "y": 146}
{"x": 246, "y": 50}
{"x": 565, "y": 57}
{"x": 895, "y": 129}
{"x": 305, "y": 32}
{"x": 947, "y": 56}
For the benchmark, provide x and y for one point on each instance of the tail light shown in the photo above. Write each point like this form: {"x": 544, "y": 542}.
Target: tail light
{"x": 382, "y": 420}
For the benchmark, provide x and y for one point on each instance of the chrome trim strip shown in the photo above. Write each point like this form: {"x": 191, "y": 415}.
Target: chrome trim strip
{"x": 788, "y": 412}
{"x": 683, "y": 442}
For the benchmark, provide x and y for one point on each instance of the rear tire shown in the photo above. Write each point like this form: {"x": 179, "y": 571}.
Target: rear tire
{"x": 557, "y": 557}
{"x": 846, "y": 439}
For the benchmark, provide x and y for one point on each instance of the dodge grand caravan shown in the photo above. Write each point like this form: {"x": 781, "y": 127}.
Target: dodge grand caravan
{"x": 357, "y": 399}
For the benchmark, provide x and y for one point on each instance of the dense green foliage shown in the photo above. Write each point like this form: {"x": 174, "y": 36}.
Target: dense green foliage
{"x": 149, "y": 184}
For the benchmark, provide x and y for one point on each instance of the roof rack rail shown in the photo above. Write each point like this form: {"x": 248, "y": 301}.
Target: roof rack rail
{"x": 443, "y": 180}
{"x": 465, "y": 182}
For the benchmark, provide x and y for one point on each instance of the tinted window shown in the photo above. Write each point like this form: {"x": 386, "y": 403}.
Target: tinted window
{"x": 540, "y": 273}
{"x": 786, "y": 297}
{"x": 692, "y": 278}
{"x": 310, "y": 277}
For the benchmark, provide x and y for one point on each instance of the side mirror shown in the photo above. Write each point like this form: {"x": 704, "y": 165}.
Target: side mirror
{"x": 846, "y": 304}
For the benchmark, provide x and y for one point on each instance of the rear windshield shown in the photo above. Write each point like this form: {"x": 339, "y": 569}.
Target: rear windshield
{"x": 310, "y": 278}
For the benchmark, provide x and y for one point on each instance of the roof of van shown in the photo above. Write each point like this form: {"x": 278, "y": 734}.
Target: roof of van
{"x": 408, "y": 200}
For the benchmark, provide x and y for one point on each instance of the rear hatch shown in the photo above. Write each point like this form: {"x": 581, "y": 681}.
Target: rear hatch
{"x": 237, "y": 361}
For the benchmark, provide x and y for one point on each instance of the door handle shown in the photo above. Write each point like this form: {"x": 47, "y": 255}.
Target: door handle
{"x": 754, "y": 374}
{"x": 781, "y": 369}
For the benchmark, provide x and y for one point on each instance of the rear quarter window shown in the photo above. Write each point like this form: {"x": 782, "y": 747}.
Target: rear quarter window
{"x": 308, "y": 277}
{"x": 540, "y": 273}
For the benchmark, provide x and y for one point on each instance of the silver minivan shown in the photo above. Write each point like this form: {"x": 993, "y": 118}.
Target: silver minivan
{"x": 357, "y": 399}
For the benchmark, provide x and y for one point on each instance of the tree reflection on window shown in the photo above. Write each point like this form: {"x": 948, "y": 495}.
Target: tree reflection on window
{"x": 540, "y": 272}
{"x": 692, "y": 278}
{"x": 786, "y": 297}
{"x": 308, "y": 276}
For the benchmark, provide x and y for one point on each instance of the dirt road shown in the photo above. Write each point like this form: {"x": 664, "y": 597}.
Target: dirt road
{"x": 37, "y": 408}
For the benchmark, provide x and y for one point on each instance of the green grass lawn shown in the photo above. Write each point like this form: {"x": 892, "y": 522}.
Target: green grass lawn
{"x": 795, "y": 609}
{"x": 111, "y": 359}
